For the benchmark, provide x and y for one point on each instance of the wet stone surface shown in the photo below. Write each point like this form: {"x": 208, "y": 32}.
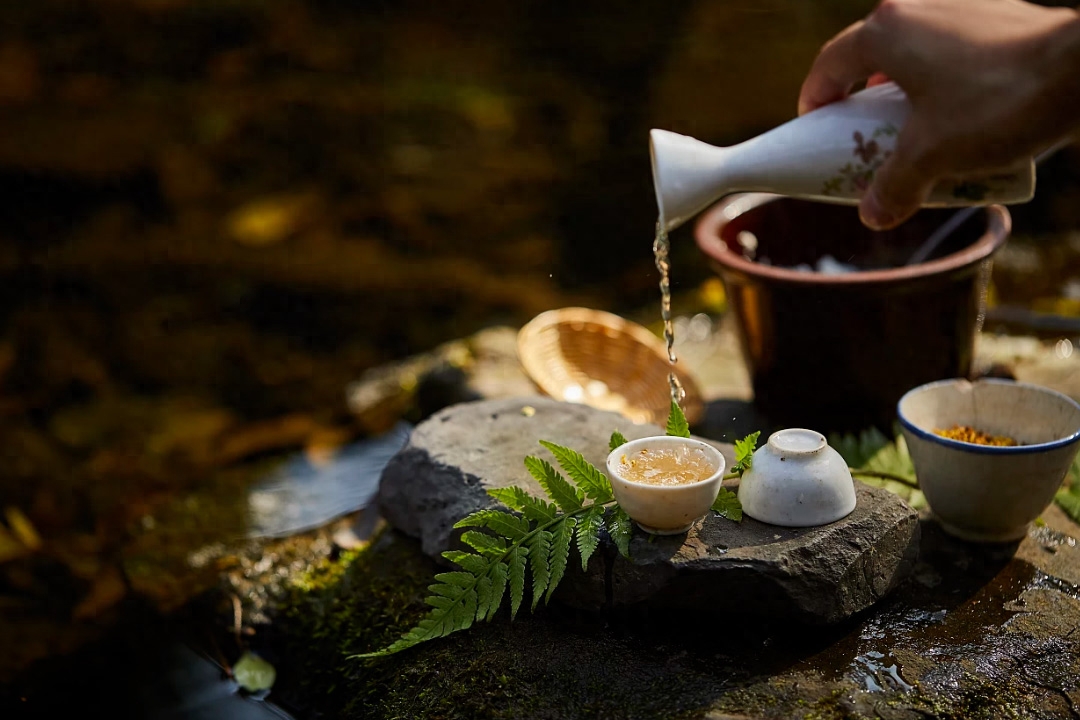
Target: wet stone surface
{"x": 815, "y": 575}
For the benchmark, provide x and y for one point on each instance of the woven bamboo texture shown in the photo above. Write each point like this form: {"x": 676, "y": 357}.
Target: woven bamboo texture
{"x": 604, "y": 361}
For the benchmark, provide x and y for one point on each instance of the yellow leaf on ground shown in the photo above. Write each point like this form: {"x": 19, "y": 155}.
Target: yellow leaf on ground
{"x": 22, "y": 528}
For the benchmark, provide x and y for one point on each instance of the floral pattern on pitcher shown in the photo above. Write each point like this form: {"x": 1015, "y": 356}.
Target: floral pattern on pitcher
{"x": 854, "y": 177}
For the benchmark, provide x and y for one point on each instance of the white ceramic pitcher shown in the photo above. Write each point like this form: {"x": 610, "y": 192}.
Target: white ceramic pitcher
{"x": 829, "y": 155}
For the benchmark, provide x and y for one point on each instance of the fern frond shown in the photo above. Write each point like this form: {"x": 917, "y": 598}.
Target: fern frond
{"x": 509, "y": 526}
{"x": 517, "y": 579}
{"x": 498, "y": 575}
{"x": 561, "y": 533}
{"x": 617, "y": 441}
{"x": 487, "y": 545}
{"x": 565, "y": 495}
{"x": 588, "y": 533}
{"x": 621, "y": 529}
{"x": 483, "y": 597}
{"x": 584, "y": 474}
{"x": 512, "y": 497}
{"x": 539, "y": 552}
{"x": 532, "y": 507}
{"x": 453, "y": 608}
{"x": 458, "y": 579}
{"x": 471, "y": 562}
{"x": 490, "y": 588}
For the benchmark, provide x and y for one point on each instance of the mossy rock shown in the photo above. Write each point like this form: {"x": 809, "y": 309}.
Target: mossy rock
{"x": 562, "y": 663}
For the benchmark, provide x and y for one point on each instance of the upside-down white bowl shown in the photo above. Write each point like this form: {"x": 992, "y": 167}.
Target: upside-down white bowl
{"x": 797, "y": 480}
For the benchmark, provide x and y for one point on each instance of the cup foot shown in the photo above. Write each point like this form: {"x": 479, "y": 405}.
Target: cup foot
{"x": 657, "y": 531}
{"x": 1000, "y": 536}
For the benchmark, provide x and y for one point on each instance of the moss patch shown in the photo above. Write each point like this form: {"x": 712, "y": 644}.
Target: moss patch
{"x": 563, "y": 664}
{"x": 552, "y": 665}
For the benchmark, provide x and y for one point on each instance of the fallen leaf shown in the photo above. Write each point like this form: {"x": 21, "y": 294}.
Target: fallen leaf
{"x": 270, "y": 220}
{"x": 253, "y": 673}
{"x": 283, "y": 433}
{"x": 22, "y": 528}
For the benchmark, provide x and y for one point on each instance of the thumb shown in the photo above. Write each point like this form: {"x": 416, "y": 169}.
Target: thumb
{"x": 899, "y": 187}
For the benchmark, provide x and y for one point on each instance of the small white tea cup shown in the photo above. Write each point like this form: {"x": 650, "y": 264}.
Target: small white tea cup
{"x": 665, "y": 509}
{"x": 797, "y": 480}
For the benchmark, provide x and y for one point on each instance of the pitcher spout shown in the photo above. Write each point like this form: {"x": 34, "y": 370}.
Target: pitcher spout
{"x": 688, "y": 175}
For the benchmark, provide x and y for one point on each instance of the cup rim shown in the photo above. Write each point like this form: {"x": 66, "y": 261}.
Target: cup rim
{"x": 718, "y": 473}
{"x": 708, "y": 227}
{"x": 986, "y": 449}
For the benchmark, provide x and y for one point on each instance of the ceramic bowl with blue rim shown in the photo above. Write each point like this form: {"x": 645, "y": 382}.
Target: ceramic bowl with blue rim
{"x": 989, "y": 493}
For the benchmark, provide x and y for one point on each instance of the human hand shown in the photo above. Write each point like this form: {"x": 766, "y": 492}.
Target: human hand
{"x": 991, "y": 84}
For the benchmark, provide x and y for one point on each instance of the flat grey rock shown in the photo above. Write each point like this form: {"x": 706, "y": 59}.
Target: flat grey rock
{"x": 817, "y": 575}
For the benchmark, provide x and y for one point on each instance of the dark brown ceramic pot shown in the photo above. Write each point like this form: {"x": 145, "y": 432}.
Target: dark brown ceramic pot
{"x": 836, "y": 352}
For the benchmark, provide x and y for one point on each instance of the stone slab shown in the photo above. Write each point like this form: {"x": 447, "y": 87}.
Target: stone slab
{"x": 816, "y": 575}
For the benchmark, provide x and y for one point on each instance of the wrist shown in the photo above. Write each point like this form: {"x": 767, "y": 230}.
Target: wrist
{"x": 1057, "y": 82}
{"x": 1064, "y": 61}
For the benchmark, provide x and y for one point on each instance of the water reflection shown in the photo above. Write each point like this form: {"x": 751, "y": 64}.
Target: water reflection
{"x": 307, "y": 492}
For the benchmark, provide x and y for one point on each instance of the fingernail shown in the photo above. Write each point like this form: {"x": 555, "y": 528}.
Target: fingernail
{"x": 873, "y": 215}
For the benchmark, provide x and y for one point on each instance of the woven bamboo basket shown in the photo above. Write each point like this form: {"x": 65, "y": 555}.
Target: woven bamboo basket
{"x": 604, "y": 361}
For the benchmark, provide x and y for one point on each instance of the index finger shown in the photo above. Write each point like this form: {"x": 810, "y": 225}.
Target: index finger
{"x": 841, "y": 63}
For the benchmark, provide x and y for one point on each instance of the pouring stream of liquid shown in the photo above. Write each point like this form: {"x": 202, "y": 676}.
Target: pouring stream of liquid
{"x": 661, "y": 248}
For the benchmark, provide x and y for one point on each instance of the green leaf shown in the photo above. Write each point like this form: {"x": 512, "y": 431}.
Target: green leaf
{"x": 620, "y": 527}
{"x": 253, "y": 673}
{"x": 483, "y": 597}
{"x": 1073, "y": 477}
{"x": 498, "y": 575}
{"x": 728, "y": 505}
{"x": 488, "y": 545}
{"x": 676, "y": 422}
{"x": 565, "y": 495}
{"x": 530, "y": 506}
{"x": 858, "y": 449}
{"x": 503, "y": 523}
{"x": 462, "y": 580}
{"x": 562, "y": 533}
{"x": 872, "y": 450}
{"x": 1068, "y": 496}
{"x": 1069, "y": 502}
{"x": 744, "y": 452}
{"x": 475, "y": 564}
{"x": 594, "y": 483}
{"x": 512, "y": 497}
{"x": 617, "y": 441}
{"x": 517, "y": 579}
{"x": 588, "y": 533}
{"x": 539, "y": 552}
{"x": 440, "y": 601}
{"x": 453, "y": 607}
{"x": 490, "y": 588}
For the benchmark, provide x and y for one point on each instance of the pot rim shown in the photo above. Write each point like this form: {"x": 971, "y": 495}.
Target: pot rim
{"x": 709, "y": 225}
